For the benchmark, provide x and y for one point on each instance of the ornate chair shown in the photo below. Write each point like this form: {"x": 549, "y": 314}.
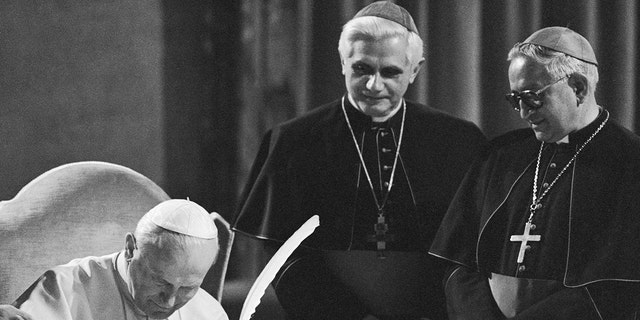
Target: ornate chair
{"x": 215, "y": 279}
{"x": 76, "y": 210}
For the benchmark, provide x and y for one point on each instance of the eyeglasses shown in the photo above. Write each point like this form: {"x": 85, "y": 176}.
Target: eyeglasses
{"x": 531, "y": 98}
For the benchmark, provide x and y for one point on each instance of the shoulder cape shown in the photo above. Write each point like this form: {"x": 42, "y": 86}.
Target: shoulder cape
{"x": 604, "y": 220}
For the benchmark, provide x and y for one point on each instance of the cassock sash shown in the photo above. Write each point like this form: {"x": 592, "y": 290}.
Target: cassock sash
{"x": 396, "y": 285}
{"x": 514, "y": 295}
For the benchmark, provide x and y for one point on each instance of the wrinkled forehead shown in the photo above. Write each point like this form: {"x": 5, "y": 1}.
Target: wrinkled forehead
{"x": 177, "y": 265}
{"x": 177, "y": 276}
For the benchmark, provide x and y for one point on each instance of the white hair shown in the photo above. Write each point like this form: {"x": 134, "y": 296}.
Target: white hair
{"x": 371, "y": 28}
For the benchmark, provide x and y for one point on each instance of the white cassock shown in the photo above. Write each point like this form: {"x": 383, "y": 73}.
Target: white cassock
{"x": 91, "y": 288}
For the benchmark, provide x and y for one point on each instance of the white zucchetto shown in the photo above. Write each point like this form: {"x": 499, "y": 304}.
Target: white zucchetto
{"x": 185, "y": 217}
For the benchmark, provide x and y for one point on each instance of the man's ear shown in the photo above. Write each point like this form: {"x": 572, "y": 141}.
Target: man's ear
{"x": 580, "y": 86}
{"x": 129, "y": 245}
{"x": 416, "y": 70}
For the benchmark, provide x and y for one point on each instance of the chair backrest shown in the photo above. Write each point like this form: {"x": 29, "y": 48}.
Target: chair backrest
{"x": 75, "y": 210}
{"x": 215, "y": 279}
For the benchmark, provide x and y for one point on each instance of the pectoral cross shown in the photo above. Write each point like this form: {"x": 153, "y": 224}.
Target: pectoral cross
{"x": 524, "y": 238}
{"x": 381, "y": 237}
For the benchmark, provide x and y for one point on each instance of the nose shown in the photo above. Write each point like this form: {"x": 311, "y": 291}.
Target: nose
{"x": 168, "y": 298}
{"x": 375, "y": 82}
{"x": 525, "y": 109}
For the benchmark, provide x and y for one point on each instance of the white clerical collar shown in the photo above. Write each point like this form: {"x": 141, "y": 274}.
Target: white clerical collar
{"x": 566, "y": 138}
{"x": 376, "y": 119}
{"x": 563, "y": 140}
{"x": 123, "y": 283}
{"x": 123, "y": 270}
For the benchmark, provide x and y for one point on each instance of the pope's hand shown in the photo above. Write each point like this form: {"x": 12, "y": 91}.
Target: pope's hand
{"x": 9, "y": 312}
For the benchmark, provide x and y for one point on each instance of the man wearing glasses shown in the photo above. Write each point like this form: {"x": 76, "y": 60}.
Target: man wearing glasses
{"x": 546, "y": 223}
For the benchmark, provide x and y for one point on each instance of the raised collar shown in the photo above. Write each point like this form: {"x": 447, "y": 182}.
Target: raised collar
{"x": 580, "y": 136}
{"x": 360, "y": 121}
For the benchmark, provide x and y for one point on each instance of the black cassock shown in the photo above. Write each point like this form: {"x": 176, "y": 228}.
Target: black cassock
{"x": 584, "y": 265}
{"x": 310, "y": 166}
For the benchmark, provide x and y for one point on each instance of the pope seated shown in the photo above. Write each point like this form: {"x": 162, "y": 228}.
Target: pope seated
{"x": 156, "y": 276}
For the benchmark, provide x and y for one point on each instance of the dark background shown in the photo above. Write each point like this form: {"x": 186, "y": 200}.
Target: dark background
{"x": 182, "y": 91}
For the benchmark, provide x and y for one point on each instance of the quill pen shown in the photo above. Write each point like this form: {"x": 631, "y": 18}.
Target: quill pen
{"x": 273, "y": 266}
